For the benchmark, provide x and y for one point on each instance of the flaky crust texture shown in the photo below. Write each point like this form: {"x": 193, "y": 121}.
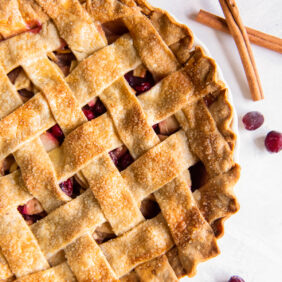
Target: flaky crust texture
{"x": 63, "y": 246}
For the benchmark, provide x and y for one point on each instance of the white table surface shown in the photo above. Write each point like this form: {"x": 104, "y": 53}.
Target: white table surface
{"x": 252, "y": 244}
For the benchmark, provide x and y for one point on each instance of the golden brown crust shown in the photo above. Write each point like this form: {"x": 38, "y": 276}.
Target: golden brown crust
{"x": 58, "y": 273}
{"x": 87, "y": 261}
{"x": 113, "y": 195}
{"x": 205, "y": 140}
{"x": 19, "y": 246}
{"x": 216, "y": 199}
{"x": 191, "y": 233}
{"x": 145, "y": 242}
{"x": 157, "y": 269}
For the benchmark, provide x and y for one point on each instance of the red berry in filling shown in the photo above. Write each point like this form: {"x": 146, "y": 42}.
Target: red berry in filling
{"x": 143, "y": 87}
{"x": 125, "y": 161}
{"x": 57, "y": 132}
{"x": 236, "y": 278}
{"x": 117, "y": 154}
{"x": 156, "y": 128}
{"x": 64, "y": 61}
{"x": 67, "y": 187}
{"x": 140, "y": 84}
{"x": 253, "y": 120}
{"x": 273, "y": 141}
{"x": 99, "y": 108}
{"x": 88, "y": 113}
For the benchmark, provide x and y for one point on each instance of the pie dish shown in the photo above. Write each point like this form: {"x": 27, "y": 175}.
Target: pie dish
{"x": 116, "y": 144}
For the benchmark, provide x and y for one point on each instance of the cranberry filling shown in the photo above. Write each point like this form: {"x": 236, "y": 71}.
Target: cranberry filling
{"x": 99, "y": 108}
{"x": 253, "y": 120}
{"x": 209, "y": 99}
{"x": 25, "y": 94}
{"x": 273, "y": 141}
{"x": 156, "y": 128}
{"x": 149, "y": 208}
{"x": 140, "y": 84}
{"x": 71, "y": 187}
{"x": 88, "y": 112}
{"x": 14, "y": 74}
{"x": 67, "y": 187}
{"x": 198, "y": 175}
{"x": 125, "y": 161}
{"x": 121, "y": 158}
{"x": 57, "y": 132}
{"x": 64, "y": 61}
{"x": 93, "y": 110}
{"x": 30, "y": 218}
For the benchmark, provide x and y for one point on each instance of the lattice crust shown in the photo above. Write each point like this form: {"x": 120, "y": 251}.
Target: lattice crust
{"x": 60, "y": 246}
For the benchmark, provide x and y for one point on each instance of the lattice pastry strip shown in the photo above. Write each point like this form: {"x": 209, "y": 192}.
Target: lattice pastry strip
{"x": 112, "y": 193}
{"x": 39, "y": 176}
{"x": 19, "y": 245}
{"x": 9, "y": 98}
{"x": 60, "y": 273}
{"x": 144, "y": 242}
{"x": 87, "y": 261}
{"x": 129, "y": 118}
{"x": 204, "y": 138}
{"x": 15, "y": 50}
{"x": 157, "y": 269}
{"x": 55, "y": 231}
{"x": 75, "y": 26}
{"x": 65, "y": 108}
{"x": 12, "y": 191}
{"x": 191, "y": 233}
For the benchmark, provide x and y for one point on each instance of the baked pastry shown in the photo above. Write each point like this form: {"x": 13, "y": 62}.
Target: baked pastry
{"x": 116, "y": 145}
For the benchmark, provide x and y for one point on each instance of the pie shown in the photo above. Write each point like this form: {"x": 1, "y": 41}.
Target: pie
{"x": 116, "y": 144}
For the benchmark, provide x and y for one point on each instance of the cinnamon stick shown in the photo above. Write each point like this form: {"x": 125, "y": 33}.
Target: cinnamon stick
{"x": 257, "y": 37}
{"x": 241, "y": 39}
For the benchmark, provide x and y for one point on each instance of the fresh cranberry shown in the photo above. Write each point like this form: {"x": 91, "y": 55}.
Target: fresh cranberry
{"x": 125, "y": 161}
{"x": 67, "y": 187}
{"x": 140, "y": 84}
{"x": 273, "y": 141}
{"x": 88, "y": 112}
{"x": 236, "y": 278}
{"x": 253, "y": 120}
{"x": 57, "y": 132}
{"x": 99, "y": 108}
